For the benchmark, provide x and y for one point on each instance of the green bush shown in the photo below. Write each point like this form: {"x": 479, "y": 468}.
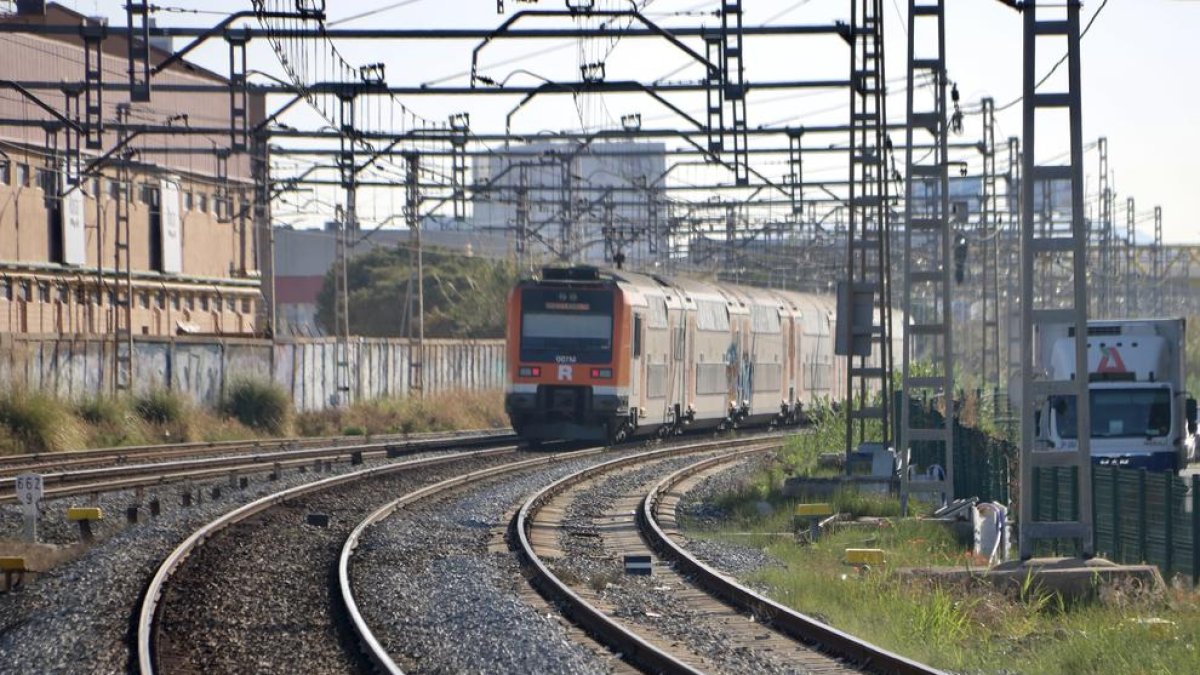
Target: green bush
{"x": 260, "y": 405}
{"x": 161, "y": 407}
{"x": 39, "y": 422}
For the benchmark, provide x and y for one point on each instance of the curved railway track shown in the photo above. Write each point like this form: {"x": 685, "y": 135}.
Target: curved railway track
{"x": 719, "y": 614}
{"x": 183, "y": 637}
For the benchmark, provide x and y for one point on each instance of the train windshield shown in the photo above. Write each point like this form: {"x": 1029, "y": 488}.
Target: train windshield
{"x": 1118, "y": 413}
{"x": 573, "y": 326}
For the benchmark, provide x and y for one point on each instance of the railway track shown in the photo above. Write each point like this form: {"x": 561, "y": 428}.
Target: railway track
{"x": 244, "y": 592}
{"x": 687, "y": 617}
{"x": 125, "y": 476}
{"x": 11, "y": 465}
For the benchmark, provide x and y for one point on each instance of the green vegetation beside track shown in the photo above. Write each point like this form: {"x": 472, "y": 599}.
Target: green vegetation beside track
{"x": 965, "y": 625}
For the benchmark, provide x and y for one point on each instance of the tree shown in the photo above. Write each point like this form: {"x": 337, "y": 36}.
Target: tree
{"x": 465, "y": 297}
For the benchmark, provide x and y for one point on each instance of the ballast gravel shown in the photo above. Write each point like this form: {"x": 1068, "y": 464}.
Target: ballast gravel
{"x": 439, "y": 602}
{"x": 78, "y": 617}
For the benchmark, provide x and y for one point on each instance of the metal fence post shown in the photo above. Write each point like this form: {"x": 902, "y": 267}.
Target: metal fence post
{"x": 1115, "y": 475}
{"x": 1195, "y": 529}
{"x": 1141, "y": 515}
{"x": 1169, "y": 521}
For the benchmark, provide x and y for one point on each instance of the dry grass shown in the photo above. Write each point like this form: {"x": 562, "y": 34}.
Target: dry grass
{"x": 441, "y": 412}
{"x": 38, "y": 422}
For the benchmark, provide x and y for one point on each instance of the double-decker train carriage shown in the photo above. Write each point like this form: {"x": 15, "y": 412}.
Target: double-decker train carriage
{"x": 605, "y": 355}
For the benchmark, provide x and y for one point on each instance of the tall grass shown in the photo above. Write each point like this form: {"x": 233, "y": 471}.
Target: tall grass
{"x": 260, "y": 405}
{"x": 37, "y": 422}
{"x": 970, "y": 626}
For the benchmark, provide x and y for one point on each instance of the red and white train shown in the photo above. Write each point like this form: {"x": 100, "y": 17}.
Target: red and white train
{"x": 605, "y": 355}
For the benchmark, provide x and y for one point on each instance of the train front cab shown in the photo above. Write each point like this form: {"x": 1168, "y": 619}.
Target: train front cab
{"x": 565, "y": 342}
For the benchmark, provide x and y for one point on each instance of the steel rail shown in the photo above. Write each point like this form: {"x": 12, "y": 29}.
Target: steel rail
{"x": 108, "y": 479}
{"x": 624, "y": 641}
{"x": 785, "y": 619}
{"x": 116, "y": 451}
{"x": 148, "y": 612}
{"x": 371, "y": 646}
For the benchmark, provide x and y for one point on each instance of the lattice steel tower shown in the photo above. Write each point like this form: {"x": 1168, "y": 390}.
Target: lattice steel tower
{"x": 928, "y": 341}
{"x": 1041, "y": 310}
{"x": 866, "y": 297}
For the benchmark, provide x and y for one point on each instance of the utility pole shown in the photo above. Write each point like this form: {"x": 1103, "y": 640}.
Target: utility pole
{"x": 1131, "y": 275}
{"x": 412, "y": 212}
{"x": 122, "y": 295}
{"x": 1158, "y": 260}
{"x": 927, "y": 265}
{"x": 347, "y": 225}
{"x": 864, "y": 299}
{"x": 1039, "y": 311}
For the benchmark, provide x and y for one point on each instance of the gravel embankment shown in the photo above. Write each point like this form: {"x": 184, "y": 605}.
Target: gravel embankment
{"x": 697, "y": 511}
{"x": 441, "y": 603}
{"x": 77, "y": 618}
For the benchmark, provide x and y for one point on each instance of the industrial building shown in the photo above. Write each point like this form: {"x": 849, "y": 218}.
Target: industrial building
{"x": 179, "y": 254}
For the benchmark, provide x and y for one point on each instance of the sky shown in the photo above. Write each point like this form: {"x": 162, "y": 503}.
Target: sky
{"x": 1139, "y": 65}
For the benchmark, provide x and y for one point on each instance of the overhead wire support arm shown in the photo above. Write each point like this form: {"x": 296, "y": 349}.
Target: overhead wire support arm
{"x": 221, "y": 29}
{"x": 654, "y": 29}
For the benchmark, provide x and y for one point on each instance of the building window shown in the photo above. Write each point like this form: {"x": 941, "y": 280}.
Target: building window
{"x": 45, "y": 180}
{"x": 230, "y": 304}
{"x": 5, "y": 172}
{"x": 64, "y": 293}
{"x": 144, "y": 300}
{"x": 26, "y": 292}
{"x": 81, "y": 295}
{"x": 22, "y": 175}
{"x": 190, "y": 302}
{"x": 245, "y": 305}
{"x": 5, "y": 289}
{"x": 43, "y": 291}
{"x": 175, "y": 301}
{"x": 204, "y": 303}
{"x": 114, "y": 189}
{"x": 148, "y": 194}
{"x": 94, "y": 188}
{"x": 202, "y": 202}
{"x": 187, "y": 201}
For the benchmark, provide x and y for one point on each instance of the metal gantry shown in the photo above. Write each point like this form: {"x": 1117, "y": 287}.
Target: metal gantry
{"x": 928, "y": 354}
{"x": 1050, "y": 308}
{"x": 864, "y": 299}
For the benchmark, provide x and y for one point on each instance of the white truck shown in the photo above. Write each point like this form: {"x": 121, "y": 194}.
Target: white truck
{"x": 1141, "y": 416}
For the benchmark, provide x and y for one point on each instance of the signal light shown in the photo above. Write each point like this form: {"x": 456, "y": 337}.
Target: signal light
{"x": 529, "y": 371}
{"x": 602, "y": 373}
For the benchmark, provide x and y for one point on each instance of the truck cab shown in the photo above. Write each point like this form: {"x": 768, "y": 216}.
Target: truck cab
{"x": 1140, "y": 415}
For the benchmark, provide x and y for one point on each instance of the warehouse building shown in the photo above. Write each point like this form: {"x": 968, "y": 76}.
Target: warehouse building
{"x": 192, "y": 255}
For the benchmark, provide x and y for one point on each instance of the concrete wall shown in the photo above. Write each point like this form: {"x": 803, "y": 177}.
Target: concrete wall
{"x": 202, "y": 367}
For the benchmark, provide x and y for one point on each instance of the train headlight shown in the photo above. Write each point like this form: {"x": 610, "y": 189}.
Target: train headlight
{"x": 602, "y": 373}
{"x": 529, "y": 371}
